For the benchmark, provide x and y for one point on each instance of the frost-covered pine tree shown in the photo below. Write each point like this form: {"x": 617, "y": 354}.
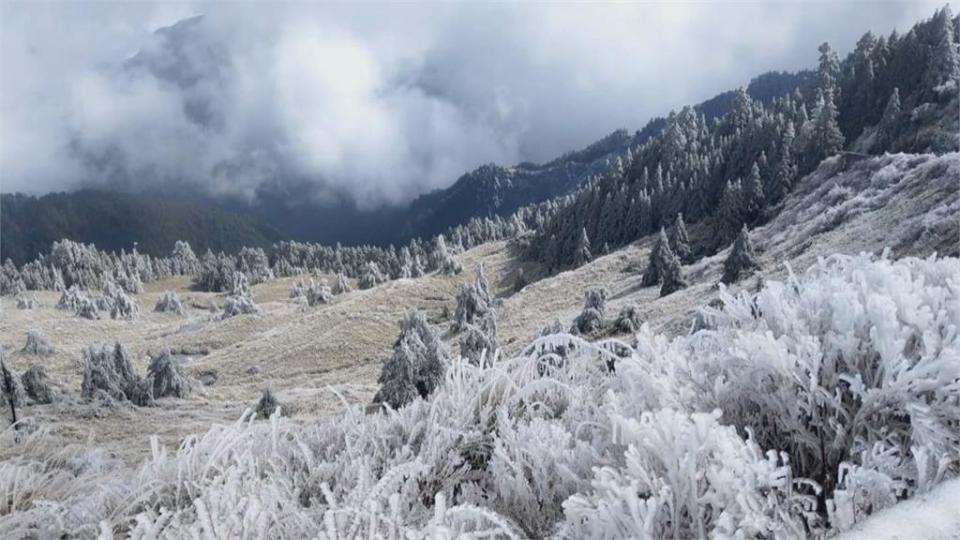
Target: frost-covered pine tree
{"x": 825, "y": 138}
{"x": 36, "y": 385}
{"x": 889, "y": 124}
{"x": 417, "y": 365}
{"x": 474, "y": 300}
{"x": 169, "y": 302}
{"x": 183, "y": 261}
{"x": 680, "y": 241}
{"x": 786, "y": 171}
{"x": 754, "y": 198}
{"x": 741, "y": 259}
{"x": 240, "y": 285}
{"x": 590, "y": 320}
{"x": 943, "y": 66}
{"x": 583, "y": 255}
{"x": 37, "y": 343}
{"x": 118, "y": 303}
{"x": 443, "y": 260}
{"x": 108, "y": 371}
{"x": 166, "y": 377}
{"x": 672, "y": 274}
{"x": 318, "y": 293}
{"x": 478, "y": 342}
{"x": 341, "y": 285}
{"x": 372, "y": 276}
{"x": 658, "y": 256}
{"x": 253, "y": 262}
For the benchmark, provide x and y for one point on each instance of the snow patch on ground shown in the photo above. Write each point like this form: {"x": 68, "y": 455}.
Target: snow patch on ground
{"x": 931, "y": 516}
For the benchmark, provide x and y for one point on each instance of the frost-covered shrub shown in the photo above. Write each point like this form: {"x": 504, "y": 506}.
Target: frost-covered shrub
{"x": 550, "y": 442}
{"x": 268, "y": 404}
{"x": 318, "y": 293}
{"x": 553, "y": 328}
{"x": 852, "y": 371}
{"x": 108, "y": 370}
{"x": 239, "y": 305}
{"x": 27, "y": 302}
{"x": 87, "y": 308}
{"x": 683, "y": 476}
{"x": 71, "y": 299}
{"x": 590, "y": 320}
{"x": 166, "y": 378}
{"x": 628, "y": 320}
{"x": 36, "y": 385}
{"x": 371, "y": 277}
{"x": 37, "y": 343}
{"x": 169, "y": 302}
{"x": 474, "y": 301}
{"x": 416, "y": 366}
{"x": 478, "y": 343}
{"x": 118, "y": 303}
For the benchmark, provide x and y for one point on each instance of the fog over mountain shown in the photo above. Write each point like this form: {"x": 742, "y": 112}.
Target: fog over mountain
{"x": 373, "y": 103}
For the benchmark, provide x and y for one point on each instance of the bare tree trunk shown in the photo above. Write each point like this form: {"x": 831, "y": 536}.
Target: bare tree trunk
{"x": 10, "y": 391}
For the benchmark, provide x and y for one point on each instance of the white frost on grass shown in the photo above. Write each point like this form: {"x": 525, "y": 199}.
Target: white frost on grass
{"x": 716, "y": 434}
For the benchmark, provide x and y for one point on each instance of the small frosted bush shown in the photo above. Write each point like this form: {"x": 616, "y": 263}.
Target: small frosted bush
{"x": 37, "y": 343}
{"x": 166, "y": 378}
{"x": 239, "y": 305}
{"x": 169, "y": 302}
{"x": 36, "y": 385}
{"x": 108, "y": 371}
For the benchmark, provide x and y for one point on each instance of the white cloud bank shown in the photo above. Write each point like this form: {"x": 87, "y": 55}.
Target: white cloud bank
{"x": 378, "y": 101}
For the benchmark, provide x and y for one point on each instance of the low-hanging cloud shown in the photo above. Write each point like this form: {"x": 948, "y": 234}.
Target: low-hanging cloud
{"x": 378, "y": 102}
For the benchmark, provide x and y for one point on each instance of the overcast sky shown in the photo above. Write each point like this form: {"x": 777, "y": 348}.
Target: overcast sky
{"x": 379, "y": 101}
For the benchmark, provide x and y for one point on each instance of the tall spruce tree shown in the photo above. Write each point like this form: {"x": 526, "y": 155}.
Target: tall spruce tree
{"x": 658, "y": 255}
{"x": 889, "y": 124}
{"x": 825, "y": 136}
{"x": 673, "y": 278}
{"x": 741, "y": 259}
{"x": 583, "y": 255}
{"x": 680, "y": 241}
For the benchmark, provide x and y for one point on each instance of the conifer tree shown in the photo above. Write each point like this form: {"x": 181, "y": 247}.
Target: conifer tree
{"x": 943, "y": 66}
{"x": 829, "y": 70}
{"x": 672, "y": 273}
{"x": 680, "y": 241}
{"x": 416, "y": 366}
{"x": 753, "y": 192}
{"x": 786, "y": 171}
{"x": 741, "y": 259}
{"x": 583, "y": 255}
{"x": 888, "y": 126}
{"x": 825, "y": 136}
{"x": 658, "y": 255}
